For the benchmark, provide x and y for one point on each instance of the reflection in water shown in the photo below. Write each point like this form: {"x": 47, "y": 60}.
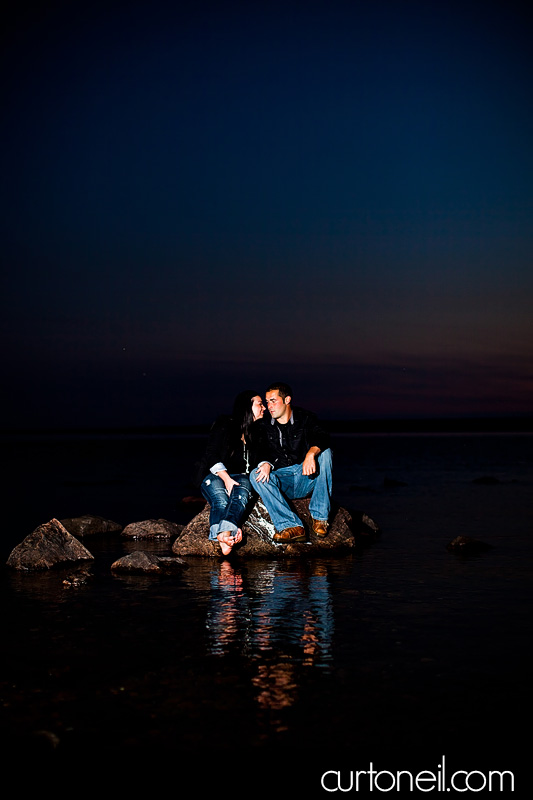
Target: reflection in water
{"x": 276, "y": 686}
{"x": 279, "y": 616}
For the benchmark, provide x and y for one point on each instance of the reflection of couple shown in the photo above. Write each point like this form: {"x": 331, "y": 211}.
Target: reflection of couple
{"x": 282, "y": 456}
{"x": 278, "y": 615}
{"x": 272, "y": 610}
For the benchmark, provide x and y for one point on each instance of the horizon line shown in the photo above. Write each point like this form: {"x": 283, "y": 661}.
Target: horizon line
{"x": 503, "y": 424}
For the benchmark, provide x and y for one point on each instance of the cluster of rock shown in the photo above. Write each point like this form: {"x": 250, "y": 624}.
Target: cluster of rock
{"x": 56, "y": 543}
{"x": 347, "y": 530}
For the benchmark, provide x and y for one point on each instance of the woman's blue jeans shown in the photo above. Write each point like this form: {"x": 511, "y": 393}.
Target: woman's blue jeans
{"x": 227, "y": 511}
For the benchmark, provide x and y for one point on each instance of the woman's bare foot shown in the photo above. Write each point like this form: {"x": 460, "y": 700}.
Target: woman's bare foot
{"x": 227, "y": 539}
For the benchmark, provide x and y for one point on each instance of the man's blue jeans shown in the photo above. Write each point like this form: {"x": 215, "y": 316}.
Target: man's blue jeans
{"x": 288, "y": 483}
{"x": 227, "y": 511}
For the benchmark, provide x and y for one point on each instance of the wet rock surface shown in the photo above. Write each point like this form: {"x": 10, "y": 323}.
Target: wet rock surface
{"x": 50, "y": 545}
{"x": 152, "y": 529}
{"x": 81, "y": 577}
{"x": 142, "y": 563}
{"x": 348, "y": 529}
{"x": 90, "y": 525}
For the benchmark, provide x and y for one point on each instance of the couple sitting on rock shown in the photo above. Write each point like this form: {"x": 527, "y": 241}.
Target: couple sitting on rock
{"x": 282, "y": 456}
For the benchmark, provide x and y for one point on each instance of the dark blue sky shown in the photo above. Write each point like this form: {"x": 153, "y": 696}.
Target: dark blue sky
{"x": 204, "y": 197}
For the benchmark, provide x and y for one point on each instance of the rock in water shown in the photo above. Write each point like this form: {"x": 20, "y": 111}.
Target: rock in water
{"x": 348, "y": 529}
{"x": 90, "y": 525}
{"x": 152, "y": 529}
{"x": 467, "y": 545}
{"x": 50, "y": 545}
{"x": 142, "y": 563}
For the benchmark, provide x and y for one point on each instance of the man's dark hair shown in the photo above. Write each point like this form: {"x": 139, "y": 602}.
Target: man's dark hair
{"x": 283, "y": 388}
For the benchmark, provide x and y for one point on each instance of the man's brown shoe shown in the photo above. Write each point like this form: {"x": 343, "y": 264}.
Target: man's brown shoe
{"x": 290, "y": 535}
{"x": 320, "y": 527}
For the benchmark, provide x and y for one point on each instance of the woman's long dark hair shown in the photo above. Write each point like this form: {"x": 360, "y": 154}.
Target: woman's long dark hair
{"x": 243, "y": 415}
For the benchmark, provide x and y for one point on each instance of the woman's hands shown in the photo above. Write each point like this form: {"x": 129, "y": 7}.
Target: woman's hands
{"x": 229, "y": 483}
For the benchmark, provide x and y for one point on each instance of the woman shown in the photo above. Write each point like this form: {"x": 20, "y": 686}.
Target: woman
{"x": 224, "y": 470}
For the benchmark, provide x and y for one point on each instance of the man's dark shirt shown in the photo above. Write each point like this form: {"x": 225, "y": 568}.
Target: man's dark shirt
{"x": 285, "y": 445}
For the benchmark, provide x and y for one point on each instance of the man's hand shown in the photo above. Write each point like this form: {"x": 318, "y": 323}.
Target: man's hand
{"x": 309, "y": 462}
{"x": 262, "y": 473}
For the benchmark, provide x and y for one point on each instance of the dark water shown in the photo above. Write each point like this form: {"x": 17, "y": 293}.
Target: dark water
{"x": 398, "y": 653}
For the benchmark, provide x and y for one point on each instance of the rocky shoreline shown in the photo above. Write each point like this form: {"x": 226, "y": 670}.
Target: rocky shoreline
{"x": 56, "y": 543}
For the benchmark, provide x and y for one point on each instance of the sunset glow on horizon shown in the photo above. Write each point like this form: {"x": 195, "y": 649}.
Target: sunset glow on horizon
{"x": 203, "y": 199}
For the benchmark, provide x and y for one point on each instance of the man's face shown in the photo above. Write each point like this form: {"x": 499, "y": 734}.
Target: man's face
{"x": 276, "y": 404}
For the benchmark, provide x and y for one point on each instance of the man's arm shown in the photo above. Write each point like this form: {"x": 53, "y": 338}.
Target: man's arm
{"x": 320, "y": 439}
{"x": 309, "y": 462}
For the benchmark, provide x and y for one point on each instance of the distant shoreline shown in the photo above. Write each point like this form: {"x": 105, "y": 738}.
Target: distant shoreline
{"x": 377, "y": 426}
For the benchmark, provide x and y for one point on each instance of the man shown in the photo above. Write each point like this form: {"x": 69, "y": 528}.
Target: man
{"x": 297, "y": 463}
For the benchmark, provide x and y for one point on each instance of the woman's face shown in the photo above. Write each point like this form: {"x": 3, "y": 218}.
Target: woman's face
{"x": 258, "y": 408}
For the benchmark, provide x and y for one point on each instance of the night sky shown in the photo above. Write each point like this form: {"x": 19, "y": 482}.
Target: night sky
{"x": 200, "y": 198}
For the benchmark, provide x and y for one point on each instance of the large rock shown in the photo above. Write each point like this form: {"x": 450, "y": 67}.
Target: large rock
{"x": 50, "y": 545}
{"x": 348, "y": 529}
{"x": 89, "y": 525}
{"x": 152, "y": 529}
{"x": 142, "y": 563}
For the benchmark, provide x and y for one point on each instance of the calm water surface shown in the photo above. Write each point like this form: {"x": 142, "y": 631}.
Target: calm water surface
{"x": 397, "y": 649}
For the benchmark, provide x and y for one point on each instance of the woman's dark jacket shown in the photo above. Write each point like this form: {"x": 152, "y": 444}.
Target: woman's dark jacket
{"x": 225, "y": 445}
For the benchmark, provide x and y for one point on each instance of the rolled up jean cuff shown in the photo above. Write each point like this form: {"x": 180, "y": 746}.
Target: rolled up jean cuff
{"x": 222, "y": 526}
